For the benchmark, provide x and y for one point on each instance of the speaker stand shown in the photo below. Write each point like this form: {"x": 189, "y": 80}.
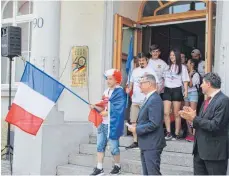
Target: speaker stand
{"x": 8, "y": 148}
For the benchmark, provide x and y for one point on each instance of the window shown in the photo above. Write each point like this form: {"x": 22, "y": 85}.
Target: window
{"x": 182, "y": 6}
{"x": 8, "y": 13}
{"x": 17, "y": 13}
{"x": 149, "y": 8}
{"x": 127, "y": 33}
{"x": 153, "y": 8}
{"x": 24, "y": 7}
{"x": 4, "y": 65}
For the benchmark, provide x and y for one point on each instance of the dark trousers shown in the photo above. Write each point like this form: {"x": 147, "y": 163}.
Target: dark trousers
{"x": 151, "y": 160}
{"x": 209, "y": 167}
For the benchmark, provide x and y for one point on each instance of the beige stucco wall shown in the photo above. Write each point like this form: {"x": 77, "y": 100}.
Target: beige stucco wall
{"x": 128, "y": 9}
{"x": 81, "y": 24}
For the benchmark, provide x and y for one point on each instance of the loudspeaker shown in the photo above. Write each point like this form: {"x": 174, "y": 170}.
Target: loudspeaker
{"x": 10, "y": 41}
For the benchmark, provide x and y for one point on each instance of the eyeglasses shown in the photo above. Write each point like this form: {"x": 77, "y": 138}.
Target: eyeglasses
{"x": 141, "y": 82}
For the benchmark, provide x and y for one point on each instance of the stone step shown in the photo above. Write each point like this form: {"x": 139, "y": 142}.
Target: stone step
{"x": 179, "y": 159}
{"x": 180, "y": 146}
{"x": 129, "y": 166}
{"x": 124, "y": 140}
{"x": 71, "y": 169}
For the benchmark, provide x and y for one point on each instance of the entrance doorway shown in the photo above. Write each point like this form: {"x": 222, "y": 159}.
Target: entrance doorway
{"x": 182, "y": 36}
{"x": 175, "y": 14}
{"x": 171, "y": 24}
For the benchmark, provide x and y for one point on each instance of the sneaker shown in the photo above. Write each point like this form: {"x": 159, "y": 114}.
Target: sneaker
{"x": 116, "y": 170}
{"x": 168, "y": 136}
{"x": 175, "y": 138}
{"x": 134, "y": 145}
{"x": 97, "y": 171}
{"x": 190, "y": 138}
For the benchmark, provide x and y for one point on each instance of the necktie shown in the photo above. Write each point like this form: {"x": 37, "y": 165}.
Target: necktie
{"x": 206, "y": 103}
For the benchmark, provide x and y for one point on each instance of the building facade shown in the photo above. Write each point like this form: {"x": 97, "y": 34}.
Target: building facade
{"x": 50, "y": 30}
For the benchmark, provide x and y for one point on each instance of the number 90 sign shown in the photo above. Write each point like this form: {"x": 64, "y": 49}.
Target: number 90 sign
{"x": 38, "y": 22}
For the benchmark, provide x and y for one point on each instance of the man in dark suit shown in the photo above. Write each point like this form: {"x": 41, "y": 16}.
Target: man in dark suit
{"x": 149, "y": 127}
{"x": 211, "y": 138}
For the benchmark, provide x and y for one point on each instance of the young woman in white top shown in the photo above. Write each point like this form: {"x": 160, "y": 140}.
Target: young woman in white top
{"x": 193, "y": 87}
{"x": 174, "y": 77}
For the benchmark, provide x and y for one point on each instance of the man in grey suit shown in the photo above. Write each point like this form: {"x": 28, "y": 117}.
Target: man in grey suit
{"x": 149, "y": 127}
{"x": 211, "y": 138}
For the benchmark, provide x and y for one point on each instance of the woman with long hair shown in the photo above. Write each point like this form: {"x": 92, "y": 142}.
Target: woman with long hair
{"x": 174, "y": 77}
{"x": 193, "y": 87}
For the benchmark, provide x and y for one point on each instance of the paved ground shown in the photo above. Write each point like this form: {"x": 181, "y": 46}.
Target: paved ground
{"x": 4, "y": 133}
{"x": 5, "y": 167}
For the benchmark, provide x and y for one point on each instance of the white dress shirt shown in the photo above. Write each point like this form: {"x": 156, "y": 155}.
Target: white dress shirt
{"x": 213, "y": 94}
{"x": 149, "y": 94}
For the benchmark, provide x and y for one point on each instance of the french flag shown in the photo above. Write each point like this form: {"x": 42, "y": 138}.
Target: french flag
{"x": 36, "y": 96}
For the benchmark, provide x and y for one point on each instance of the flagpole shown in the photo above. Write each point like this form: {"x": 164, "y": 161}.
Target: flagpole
{"x": 127, "y": 97}
{"x": 59, "y": 83}
{"x": 64, "y": 86}
{"x": 77, "y": 95}
{"x": 9, "y": 147}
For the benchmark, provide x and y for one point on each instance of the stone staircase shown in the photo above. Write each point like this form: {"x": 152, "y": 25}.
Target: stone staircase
{"x": 176, "y": 159}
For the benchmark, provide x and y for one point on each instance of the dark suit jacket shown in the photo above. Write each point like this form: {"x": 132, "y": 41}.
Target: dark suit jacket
{"x": 211, "y": 137}
{"x": 150, "y": 124}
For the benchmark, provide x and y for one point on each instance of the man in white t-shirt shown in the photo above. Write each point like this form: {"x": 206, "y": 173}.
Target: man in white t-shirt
{"x": 158, "y": 65}
{"x": 138, "y": 97}
{"x": 196, "y": 54}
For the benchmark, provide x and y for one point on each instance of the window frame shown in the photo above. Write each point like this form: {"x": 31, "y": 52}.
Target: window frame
{"x": 198, "y": 14}
{"x": 15, "y": 20}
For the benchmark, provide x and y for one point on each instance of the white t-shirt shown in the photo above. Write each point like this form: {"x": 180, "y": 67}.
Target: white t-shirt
{"x": 107, "y": 94}
{"x": 137, "y": 73}
{"x": 159, "y": 66}
{"x": 195, "y": 82}
{"x": 201, "y": 68}
{"x": 172, "y": 79}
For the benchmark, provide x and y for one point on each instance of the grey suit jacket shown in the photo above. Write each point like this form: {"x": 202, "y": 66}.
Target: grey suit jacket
{"x": 211, "y": 137}
{"x": 150, "y": 124}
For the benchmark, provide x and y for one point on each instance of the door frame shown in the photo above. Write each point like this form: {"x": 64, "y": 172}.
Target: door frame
{"x": 118, "y": 36}
{"x": 179, "y": 17}
{"x": 169, "y": 17}
{"x": 162, "y": 19}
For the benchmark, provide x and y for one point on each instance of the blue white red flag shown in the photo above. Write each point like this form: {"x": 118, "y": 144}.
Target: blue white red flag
{"x": 116, "y": 113}
{"x": 130, "y": 56}
{"x": 35, "y": 97}
{"x": 116, "y": 110}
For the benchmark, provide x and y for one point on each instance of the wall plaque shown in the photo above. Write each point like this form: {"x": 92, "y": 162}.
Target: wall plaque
{"x": 79, "y": 66}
